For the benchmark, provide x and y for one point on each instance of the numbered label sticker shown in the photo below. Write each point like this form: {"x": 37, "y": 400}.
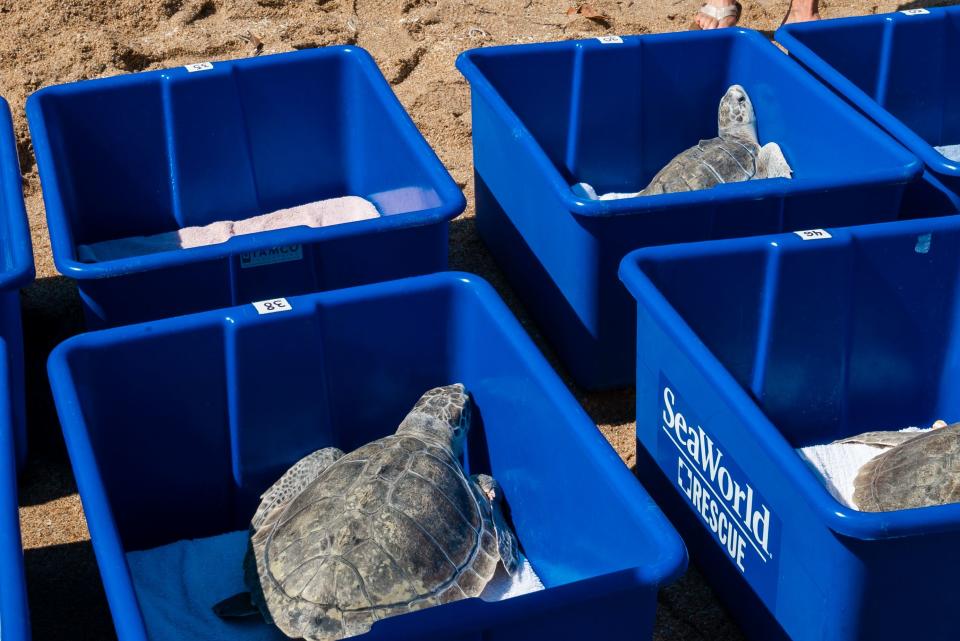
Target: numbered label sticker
{"x": 198, "y": 66}
{"x": 914, "y": 12}
{"x": 813, "y": 234}
{"x": 272, "y": 306}
{"x": 611, "y": 40}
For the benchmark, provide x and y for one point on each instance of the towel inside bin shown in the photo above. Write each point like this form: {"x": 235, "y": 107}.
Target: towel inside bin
{"x": 178, "y": 584}
{"x": 837, "y": 464}
{"x": 322, "y": 213}
{"x": 950, "y": 152}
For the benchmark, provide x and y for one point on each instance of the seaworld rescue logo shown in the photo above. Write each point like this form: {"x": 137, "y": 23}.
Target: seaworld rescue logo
{"x": 726, "y": 501}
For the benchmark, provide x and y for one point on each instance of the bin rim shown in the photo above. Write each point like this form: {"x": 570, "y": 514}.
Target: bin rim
{"x": 452, "y": 200}
{"x": 836, "y": 516}
{"x": 664, "y": 551}
{"x": 21, "y": 270}
{"x": 905, "y": 171}
{"x": 857, "y": 96}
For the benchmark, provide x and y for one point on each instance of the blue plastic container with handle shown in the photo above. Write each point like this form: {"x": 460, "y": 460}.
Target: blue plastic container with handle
{"x": 612, "y": 112}
{"x": 154, "y": 152}
{"x": 175, "y": 427}
{"x": 16, "y": 270}
{"x": 900, "y": 70}
{"x": 750, "y": 348}
{"x": 14, "y": 613}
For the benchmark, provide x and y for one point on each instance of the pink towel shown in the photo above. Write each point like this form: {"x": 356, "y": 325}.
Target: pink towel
{"x": 321, "y": 213}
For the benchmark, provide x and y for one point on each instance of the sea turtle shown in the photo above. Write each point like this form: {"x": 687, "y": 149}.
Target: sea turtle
{"x": 918, "y": 469}
{"x": 343, "y": 540}
{"x": 735, "y": 155}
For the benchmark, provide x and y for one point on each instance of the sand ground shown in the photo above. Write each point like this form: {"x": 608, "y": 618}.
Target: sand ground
{"x": 415, "y": 43}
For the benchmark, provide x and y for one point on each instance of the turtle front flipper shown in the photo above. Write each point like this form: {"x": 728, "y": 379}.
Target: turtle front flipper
{"x": 881, "y": 439}
{"x": 506, "y": 540}
{"x": 771, "y": 163}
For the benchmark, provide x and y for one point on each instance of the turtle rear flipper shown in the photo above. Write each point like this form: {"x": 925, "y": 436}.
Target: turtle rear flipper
{"x": 293, "y": 482}
{"x": 239, "y": 606}
{"x": 246, "y": 604}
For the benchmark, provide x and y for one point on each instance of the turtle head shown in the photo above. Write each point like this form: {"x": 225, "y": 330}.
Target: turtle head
{"x": 442, "y": 414}
{"x": 736, "y": 117}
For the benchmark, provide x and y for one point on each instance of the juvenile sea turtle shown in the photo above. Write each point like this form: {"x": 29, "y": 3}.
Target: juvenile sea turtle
{"x": 342, "y": 540}
{"x": 735, "y": 155}
{"x": 918, "y": 469}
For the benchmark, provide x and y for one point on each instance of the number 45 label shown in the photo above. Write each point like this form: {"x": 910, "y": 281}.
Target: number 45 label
{"x": 272, "y": 306}
{"x": 813, "y": 234}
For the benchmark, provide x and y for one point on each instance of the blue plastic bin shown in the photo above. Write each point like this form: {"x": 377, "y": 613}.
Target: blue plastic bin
{"x": 900, "y": 70}
{"x": 153, "y": 152}
{"x": 16, "y": 270}
{"x": 236, "y": 397}
{"x": 14, "y": 615}
{"x": 754, "y": 347}
{"x": 547, "y": 116}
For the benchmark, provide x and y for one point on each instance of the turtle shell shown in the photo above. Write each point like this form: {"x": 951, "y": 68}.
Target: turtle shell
{"x": 392, "y": 527}
{"x": 726, "y": 159}
{"x": 921, "y": 472}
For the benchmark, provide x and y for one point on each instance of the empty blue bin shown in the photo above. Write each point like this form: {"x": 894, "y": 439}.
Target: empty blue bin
{"x": 16, "y": 270}
{"x": 175, "y": 427}
{"x": 899, "y": 69}
{"x": 612, "y": 114}
{"x": 754, "y": 347}
{"x": 154, "y": 152}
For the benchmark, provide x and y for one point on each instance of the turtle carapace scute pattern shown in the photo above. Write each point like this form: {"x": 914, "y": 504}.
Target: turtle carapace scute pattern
{"x": 344, "y": 540}
{"x": 735, "y": 155}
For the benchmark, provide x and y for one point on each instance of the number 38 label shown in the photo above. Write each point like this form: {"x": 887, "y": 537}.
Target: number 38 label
{"x": 272, "y": 306}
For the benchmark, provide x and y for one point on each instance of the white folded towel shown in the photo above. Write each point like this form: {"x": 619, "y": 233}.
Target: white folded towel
{"x": 586, "y": 190}
{"x": 950, "y": 152}
{"x": 837, "y": 464}
{"x": 178, "y": 584}
{"x": 322, "y": 213}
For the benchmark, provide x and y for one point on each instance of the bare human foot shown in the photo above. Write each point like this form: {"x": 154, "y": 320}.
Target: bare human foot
{"x": 717, "y": 14}
{"x": 802, "y": 11}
